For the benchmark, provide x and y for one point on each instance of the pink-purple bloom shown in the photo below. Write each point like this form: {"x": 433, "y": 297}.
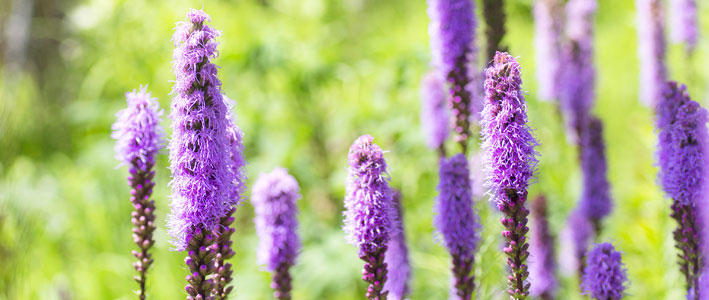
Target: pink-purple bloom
{"x": 604, "y": 276}
{"x": 548, "y": 33}
{"x": 275, "y": 197}
{"x": 651, "y": 50}
{"x": 511, "y": 161}
{"x": 397, "y": 255}
{"x": 368, "y": 210}
{"x": 456, "y": 221}
{"x": 595, "y": 198}
{"x": 542, "y": 264}
{"x": 452, "y": 32}
{"x": 434, "y": 113}
{"x": 684, "y": 27}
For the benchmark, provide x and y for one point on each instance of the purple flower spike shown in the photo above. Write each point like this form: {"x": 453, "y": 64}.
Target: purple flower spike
{"x": 548, "y": 27}
{"x": 368, "y": 211}
{"x": 434, "y": 114}
{"x": 576, "y": 89}
{"x": 575, "y": 239}
{"x": 452, "y": 31}
{"x": 456, "y": 222}
{"x": 511, "y": 161}
{"x": 274, "y": 196}
{"x": 604, "y": 276}
{"x": 542, "y": 266}
{"x": 682, "y": 131}
{"x": 203, "y": 157}
{"x": 397, "y": 255}
{"x": 651, "y": 50}
{"x": 595, "y": 199}
{"x": 684, "y": 23}
{"x": 139, "y": 137}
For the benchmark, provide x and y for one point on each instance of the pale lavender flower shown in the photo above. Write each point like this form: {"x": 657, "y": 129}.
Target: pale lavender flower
{"x": 542, "y": 264}
{"x": 604, "y": 276}
{"x": 397, "y": 255}
{"x": 434, "y": 113}
{"x": 684, "y": 27}
{"x": 548, "y": 31}
{"x": 575, "y": 238}
{"x": 651, "y": 50}
{"x": 274, "y": 197}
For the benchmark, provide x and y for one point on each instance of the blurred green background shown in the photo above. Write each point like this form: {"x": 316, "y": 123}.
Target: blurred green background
{"x": 309, "y": 77}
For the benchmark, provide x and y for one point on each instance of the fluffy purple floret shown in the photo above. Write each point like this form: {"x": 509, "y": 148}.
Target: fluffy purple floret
{"x": 684, "y": 23}
{"x": 576, "y": 86}
{"x": 137, "y": 131}
{"x": 368, "y": 197}
{"x": 682, "y": 144}
{"x": 237, "y": 160}
{"x": 604, "y": 276}
{"x": 200, "y": 154}
{"x": 434, "y": 113}
{"x": 651, "y": 50}
{"x": 397, "y": 255}
{"x": 548, "y": 30}
{"x": 595, "y": 198}
{"x": 542, "y": 264}
{"x": 575, "y": 239}
{"x": 275, "y": 197}
{"x": 455, "y": 219}
{"x": 507, "y": 139}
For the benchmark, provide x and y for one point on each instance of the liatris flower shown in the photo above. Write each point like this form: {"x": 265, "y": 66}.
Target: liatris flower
{"x": 548, "y": 26}
{"x": 684, "y": 23}
{"x": 236, "y": 189}
{"x": 576, "y": 89}
{"x": 368, "y": 211}
{"x": 200, "y": 153}
{"x": 434, "y": 114}
{"x": 604, "y": 276}
{"x": 139, "y": 137}
{"x": 494, "y": 15}
{"x": 595, "y": 198}
{"x": 511, "y": 161}
{"x": 452, "y": 31}
{"x": 542, "y": 266}
{"x": 651, "y": 50}
{"x": 575, "y": 239}
{"x": 274, "y": 196}
{"x": 397, "y": 255}
{"x": 682, "y": 152}
{"x": 456, "y": 222}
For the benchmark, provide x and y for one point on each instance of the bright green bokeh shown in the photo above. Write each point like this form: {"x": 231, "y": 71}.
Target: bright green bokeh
{"x": 309, "y": 77}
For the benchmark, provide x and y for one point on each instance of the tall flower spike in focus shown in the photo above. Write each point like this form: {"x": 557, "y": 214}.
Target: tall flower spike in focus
{"x": 542, "y": 264}
{"x": 397, "y": 255}
{"x": 139, "y": 137}
{"x": 682, "y": 156}
{"x": 548, "y": 30}
{"x": 200, "y": 153}
{"x": 604, "y": 276}
{"x": 452, "y": 31}
{"x": 236, "y": 189}
{"x": 684, "y": 23}
{"x": 494, "y": 15}
{"x": 275, "y": 197}
{"x": 651, "y": 50}
{"x": 595, "y": 198}
{"x": 368, "y": 211}
{"x": 456, "y": 222}
{"x": 511, "y": 161}
{"x": 434, "y": 114}
{"x": 576, "y": 88}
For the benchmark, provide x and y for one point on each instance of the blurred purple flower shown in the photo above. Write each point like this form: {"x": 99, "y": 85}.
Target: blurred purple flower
{"x": 595, "y": 198}
{"x": 684, "y": 23}
{"x": 368, "y": 211}
{"x": 434, "y": 114}
{"x": 397, "y": 255}
{"x": 548, "y": 30}
{"x": 575, "y": 239}
{"x": 274, "y": 197}
{"x": 542, "y": 264}
{"x": 452, "y": 32}
{"x": 651, "y": 50}
{"x": 456, "y": 221}
{"x": 604, "y": 276}
{"x": 511, "y": 160}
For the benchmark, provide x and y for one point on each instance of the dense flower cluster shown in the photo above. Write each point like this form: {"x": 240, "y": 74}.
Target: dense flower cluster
{"x": 604, "y": 276}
